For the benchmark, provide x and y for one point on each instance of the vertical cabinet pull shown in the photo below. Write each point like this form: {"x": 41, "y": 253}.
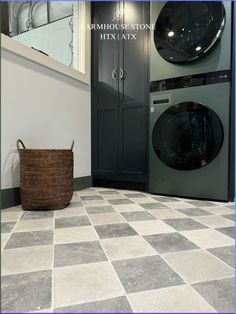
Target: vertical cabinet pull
{"x": 122, "y": 74}
{"x": 114, "y": 74}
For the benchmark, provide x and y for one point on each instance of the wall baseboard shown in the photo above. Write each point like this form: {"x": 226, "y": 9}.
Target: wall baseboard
{"x": 11, "y": 197}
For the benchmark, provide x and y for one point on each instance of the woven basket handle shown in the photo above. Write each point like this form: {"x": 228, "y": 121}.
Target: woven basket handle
{"x": 72, "y": 145}
{"x": 18, "y": 144}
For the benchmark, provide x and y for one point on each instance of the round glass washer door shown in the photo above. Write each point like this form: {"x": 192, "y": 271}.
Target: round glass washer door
{"x": 185, "y": 31}
{"x": 187, "y": 136}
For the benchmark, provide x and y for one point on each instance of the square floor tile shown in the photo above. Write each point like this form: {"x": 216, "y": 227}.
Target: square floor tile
{"x": 184, "y": 224}
{"x": 145, "y": 273}
{"x": 26, "y": 260}
{"x": 180, "y": 299}
{"x": 114, "y": 230}
{"x": 164, "y": 199}
{"x": 128, "y": 208}
{"x": 74, "y": 204}
{"x": 13, "y": 209}
{"x": 200, "y": 203}
{"x": 34, "y": 238}
{"x": 230, "y": 217}
{"x": 120, "y": 201}
{"x": 91, "y": 198}
{"x": 151, "y": 206}
{"x": 109, "y": 192}
{"x": 198, "y": 266}
{"x": 99, "y": 209}
{"x": 107, "y": 218}
{"x": 151, "y": 227}
{"x": 7, "y": 227}
{"x": 219, "y": 293}
{"x": 114, "y": 305}
{"x": 85, "y": 283}
{"x": 226, "y": 254}
{"x": 4, "y": 239}
{"x": 26, "y": 292}
{"x": 208, "y": 238}
{"x": 134, "y": 195}
{"x": 78, "y": 253}
{"x": 34, "y": 225}
{"x": 179, "y": 205}
{"x": 167, "y": 213}
{"x": 143, "y": 200}
{"x": 95, "y": 203}
{"x": 74, "y": 234}
{"x": 169, "y": 242}
{"x": 139, "y": 215}
{"x": 44, "y": 214}
{"x": 76, "y": 221}
{"x": 219, "y": 210}
{"x": 70, "y": 212}
{"x": 194, "y": 211}
{"x": 10, "y": 216}
{"x": 229, "y": 231}
{"x": 215, "y": 221}
{"x": 127, "y": 247}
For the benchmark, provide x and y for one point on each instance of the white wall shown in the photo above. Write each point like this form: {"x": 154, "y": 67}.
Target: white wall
{"x": 46, "y": 110}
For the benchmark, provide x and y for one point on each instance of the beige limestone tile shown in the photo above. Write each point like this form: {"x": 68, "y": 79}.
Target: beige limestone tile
{"x": 127, "y": 208}
{"x": 214, "y": 221}
{"x": 181, "y": 299}
{"x": 208, "y": 238}
{"x": 179, "y": 205}
{"x": 74, "y": 234}
{"x": 198, "y": 266}
{"x": 219, "y": 210}
{"x": 106, "y": 218}
{"x": 70, "y": 212}
{"x": 151, "y": 227}
{"x": 85, "y": 283}
{"x": 4, "y": 239}
{"x": 27, "y": 259}
{"x": 127, "y": 247}
{"x": 34, "y": 225}
{"x": 10, "y": 216}
{"x": 166, "y": 213}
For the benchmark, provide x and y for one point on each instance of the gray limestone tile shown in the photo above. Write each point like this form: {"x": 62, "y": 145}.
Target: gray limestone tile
{"x": 34, "y": 238}
{"x": 75, "y": 204}
{"x": 114, "y": 305}
{"x": 229, "y": 231}
{"x": 67, "y": 222}
{"x": 134, "y": 195}
{"x": 43, "y": 214}
{"x": 26, "y": 292}
{"x": 108, "y": 192}
{"x": 150, "y": 206}
{"x": 229, "y": 216}
{"x": 114, "y": 230}
{"x": 91, "y": 197}
{"x": 226, "y": 254}
{"x": 184, "y": 224}
{"x": 199, "y": 203}
{"x": 78, "y": 253}
{"x": 7, "y": 227}
{"x": 99, "y": 209}
{"x": 169, "y": 242}
{"x": 136, "y": 216}
{"x": 193, "y": 212}
{"x": 120, "y": 201}
{"x": 165, "y": 199}
{"x": 218, "y": 293}
{"x": 145, "y": 273}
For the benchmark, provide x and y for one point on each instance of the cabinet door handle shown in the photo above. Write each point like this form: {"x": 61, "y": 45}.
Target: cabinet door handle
{"x": 122, "y": 74}
{"x": 114, "y": 74}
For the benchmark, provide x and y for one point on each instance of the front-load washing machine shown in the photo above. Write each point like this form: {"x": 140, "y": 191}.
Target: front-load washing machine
{"x": 190, "y": 37}
{"x": 189, "y": 137}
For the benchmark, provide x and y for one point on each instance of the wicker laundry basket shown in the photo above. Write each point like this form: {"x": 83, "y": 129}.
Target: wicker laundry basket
{"x": 46, "y": 177}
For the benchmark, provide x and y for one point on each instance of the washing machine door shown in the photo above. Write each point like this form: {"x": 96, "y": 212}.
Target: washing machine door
{"x": 187, "y": 136}
{"x": 185, "y": 31}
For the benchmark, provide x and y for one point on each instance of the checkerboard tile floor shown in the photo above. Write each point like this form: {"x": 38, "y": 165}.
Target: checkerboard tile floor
{"x": 119, "y": 251}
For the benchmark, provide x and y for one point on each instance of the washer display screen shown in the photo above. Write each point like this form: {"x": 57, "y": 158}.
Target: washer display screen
{"x": 187, "y": 136}
{"x": 185, "y": 31}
